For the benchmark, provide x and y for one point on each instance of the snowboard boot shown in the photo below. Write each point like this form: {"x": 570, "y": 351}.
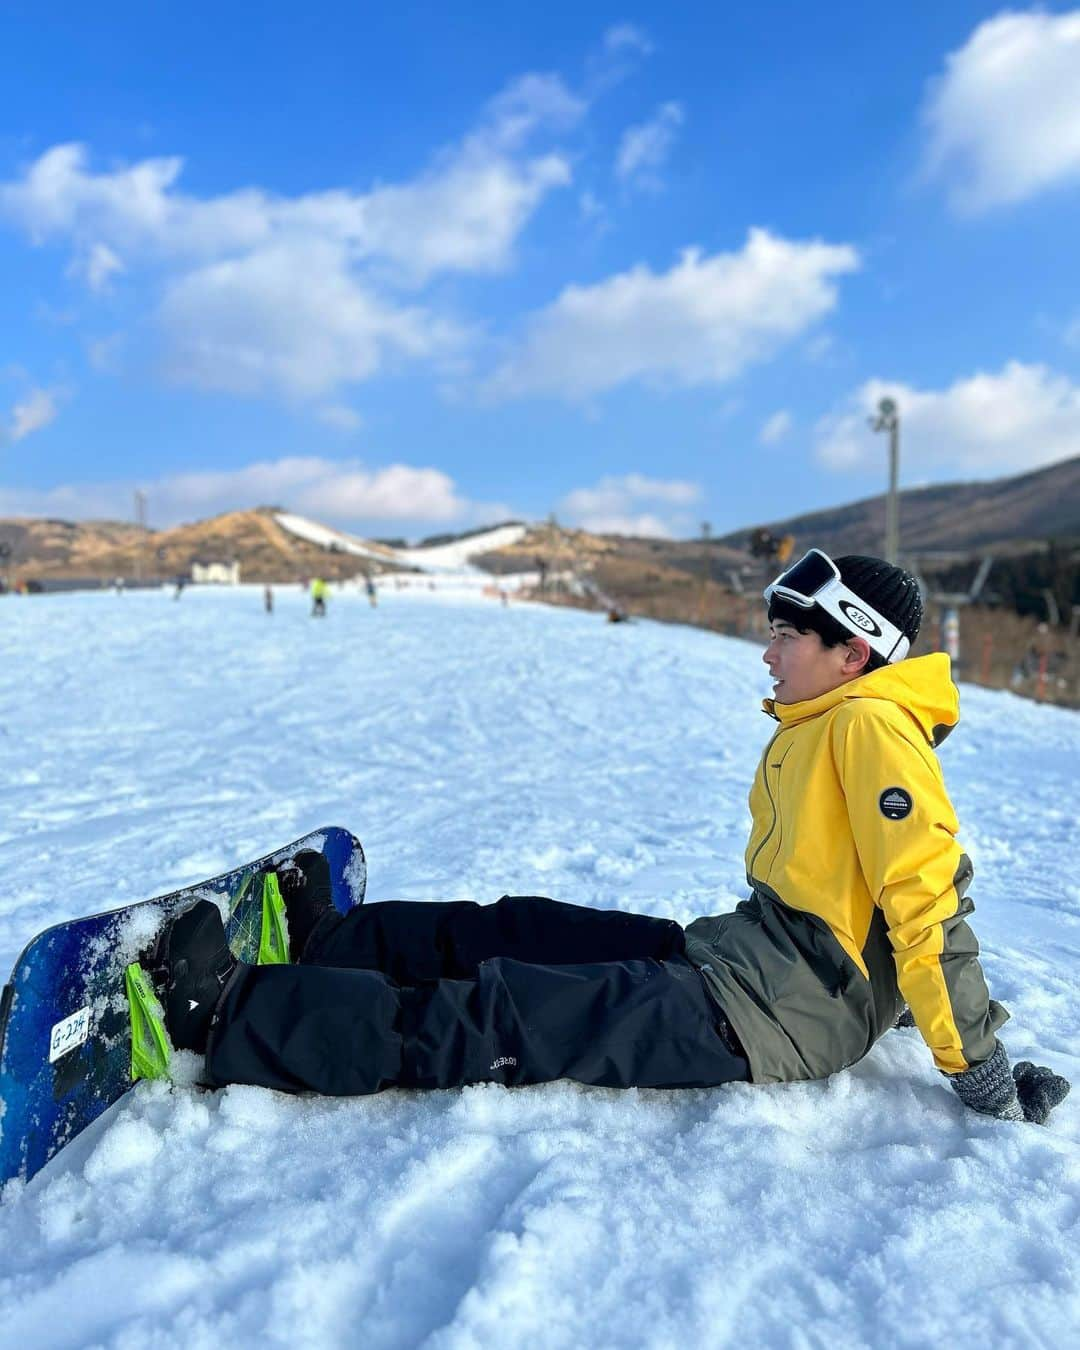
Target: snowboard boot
{"x": 191, "y": 967}
{"x": 307, "y": 890}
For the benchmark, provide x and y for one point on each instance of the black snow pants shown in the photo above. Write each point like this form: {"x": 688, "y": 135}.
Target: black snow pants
{"x": 439, "y": 995}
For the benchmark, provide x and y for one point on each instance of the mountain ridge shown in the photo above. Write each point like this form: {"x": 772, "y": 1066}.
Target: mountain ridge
{"x": 1003, "y": 516}
{"x": 1007, "y": 513}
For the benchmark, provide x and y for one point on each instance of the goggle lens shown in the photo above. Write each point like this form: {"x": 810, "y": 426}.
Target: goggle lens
{"x": 808, "y": 575}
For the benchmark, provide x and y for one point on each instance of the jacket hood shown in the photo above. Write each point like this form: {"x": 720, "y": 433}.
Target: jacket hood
{"x": 922, "y": 686}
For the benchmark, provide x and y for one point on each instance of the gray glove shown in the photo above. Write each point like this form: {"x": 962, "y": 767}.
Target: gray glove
{"x": 1039, "y": 1090}
{"x": 1030, "y": 1092}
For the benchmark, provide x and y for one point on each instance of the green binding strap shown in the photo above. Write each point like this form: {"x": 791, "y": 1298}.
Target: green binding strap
{"x": 274, "y": 933}
{"x": 150, "y": 1046}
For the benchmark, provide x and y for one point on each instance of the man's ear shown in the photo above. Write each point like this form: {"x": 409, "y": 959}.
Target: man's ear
{"x": 858, "y": 655}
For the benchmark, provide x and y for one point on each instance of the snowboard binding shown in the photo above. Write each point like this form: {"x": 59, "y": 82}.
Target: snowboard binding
{"x": 148, "y": 981}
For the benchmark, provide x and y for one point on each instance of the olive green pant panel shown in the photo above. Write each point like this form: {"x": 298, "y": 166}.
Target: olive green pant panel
{"x": 800, "y": 1006}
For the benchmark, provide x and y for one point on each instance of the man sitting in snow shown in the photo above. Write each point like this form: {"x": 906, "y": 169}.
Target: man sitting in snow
{"x": 859, "y": 906}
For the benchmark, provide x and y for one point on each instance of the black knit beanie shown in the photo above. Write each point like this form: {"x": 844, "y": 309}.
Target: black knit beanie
{"x": 890, "y": 590}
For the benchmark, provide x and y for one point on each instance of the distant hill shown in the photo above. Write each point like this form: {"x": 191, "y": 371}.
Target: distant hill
{"x": 1007, "y": 517}
{"x": 55, "y": 550}
{"x": 1002, "y": 514}
{"x": 71, "y": 547}
{"x": 270, "y": 545}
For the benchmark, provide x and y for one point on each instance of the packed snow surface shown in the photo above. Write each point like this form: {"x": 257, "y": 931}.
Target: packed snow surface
{"x": 479, "y": 749}
{"x": 450, "y": 557}
{"x": 326, "y": 537}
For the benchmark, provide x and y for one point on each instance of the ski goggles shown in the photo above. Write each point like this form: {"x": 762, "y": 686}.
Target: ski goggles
{"x": 815, "y": 580}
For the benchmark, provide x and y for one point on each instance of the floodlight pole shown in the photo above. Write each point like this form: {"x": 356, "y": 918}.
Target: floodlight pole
{"x": 888, "y": 419}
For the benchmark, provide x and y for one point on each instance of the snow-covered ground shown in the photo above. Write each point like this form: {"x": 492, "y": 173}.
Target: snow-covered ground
{"x": 479, "y": 749}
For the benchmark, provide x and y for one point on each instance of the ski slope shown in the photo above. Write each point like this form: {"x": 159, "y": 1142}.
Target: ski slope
{"x": 327, "y": 537}
{"x": 479, "y": 749}
{"x": 453, "y": 557}
{"x": 459, "y": 553}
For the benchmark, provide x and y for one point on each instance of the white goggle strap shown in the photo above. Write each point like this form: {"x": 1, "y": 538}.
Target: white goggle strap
{"x": 862, "y": 620}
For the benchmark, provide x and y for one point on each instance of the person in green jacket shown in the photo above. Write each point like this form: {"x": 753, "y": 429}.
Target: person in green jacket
{"x": 858, "y": 909}
{"x": 319, "y": 592}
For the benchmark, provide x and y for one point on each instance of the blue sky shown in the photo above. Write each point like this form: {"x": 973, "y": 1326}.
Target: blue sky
{"x": 408, "y": 271}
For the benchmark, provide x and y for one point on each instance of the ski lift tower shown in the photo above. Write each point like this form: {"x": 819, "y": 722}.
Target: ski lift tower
{"x": 888, "y": 419}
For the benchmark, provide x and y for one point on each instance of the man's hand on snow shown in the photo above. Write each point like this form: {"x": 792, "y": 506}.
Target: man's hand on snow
{"x": 1029, "y": 1092}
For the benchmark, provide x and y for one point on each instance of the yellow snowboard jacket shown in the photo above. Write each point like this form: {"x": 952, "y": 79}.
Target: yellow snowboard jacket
{"x": 859, "y": 887}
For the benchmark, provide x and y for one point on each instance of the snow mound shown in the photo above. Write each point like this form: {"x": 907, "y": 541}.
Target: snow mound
{"x": 448, "y": 557}
{"x": 453, "y": 557}
{"x": 327, "y": 537}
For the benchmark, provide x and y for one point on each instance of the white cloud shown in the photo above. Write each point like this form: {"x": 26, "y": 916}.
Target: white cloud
{"x": 465, "y": 217}
{"x": 299, "y": 295}
{"x": 618, "y": 55}
{"x": 1021, "y": 418}
{"x": 339, "y": 416}
{"x": 1004, "y": 119}
{"x": 702, "y": 322}
{"x": 645, "y": 526}
{"x": 34, "y": 410}
{"x": 58, "y": 196}
{"x": 614, "y": 505}
{"x": 644, "y": 149}
{"x": 462, "y": 214}
{"x": 524, "y": 106}
{"x": 775, "y": 427}
{"x": 627, "y": 37}
{"x": 339, "y": 492}
{"x": 396, "y": 493}
{"x": 289, "y": 318}
{"x": 96, "y": 265}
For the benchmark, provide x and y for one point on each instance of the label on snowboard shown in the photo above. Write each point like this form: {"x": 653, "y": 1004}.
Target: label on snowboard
{"x": 65, "y": 1026}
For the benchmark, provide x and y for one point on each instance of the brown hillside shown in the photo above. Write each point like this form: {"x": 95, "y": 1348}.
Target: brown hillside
{"x": 1001, "y": 515}
{"x": 97, "y": 550}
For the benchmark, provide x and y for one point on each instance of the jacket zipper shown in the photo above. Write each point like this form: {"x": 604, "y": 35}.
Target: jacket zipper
{"x": 768, "y": 793}
{"x": 777, "y": 818}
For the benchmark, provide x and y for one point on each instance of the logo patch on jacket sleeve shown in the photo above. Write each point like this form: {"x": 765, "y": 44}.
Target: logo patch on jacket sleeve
{"x": 896, "y": 803}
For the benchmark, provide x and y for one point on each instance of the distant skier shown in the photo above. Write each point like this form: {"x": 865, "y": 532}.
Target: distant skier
{"x": 372, "y": 595}
{"x": 268, "y": 599}
{"x": 319, "y": 590}
{"x": 859, "y": 906}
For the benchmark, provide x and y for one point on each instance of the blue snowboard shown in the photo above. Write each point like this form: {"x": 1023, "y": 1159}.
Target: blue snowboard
{"x": 65, "y": 1028}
